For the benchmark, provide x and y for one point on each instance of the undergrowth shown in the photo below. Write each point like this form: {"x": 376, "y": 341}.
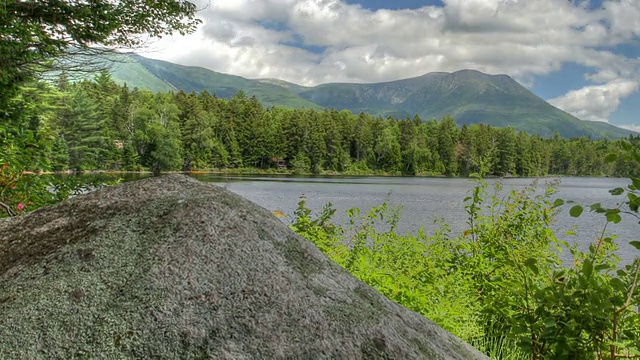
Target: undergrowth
{"x": 500, "y": 284}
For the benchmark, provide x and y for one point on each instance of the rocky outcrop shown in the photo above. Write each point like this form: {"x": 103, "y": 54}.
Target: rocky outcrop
{"x": 172, "y": 268}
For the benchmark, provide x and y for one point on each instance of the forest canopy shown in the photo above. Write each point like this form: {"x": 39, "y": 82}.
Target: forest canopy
{"x": 34, "y": 36}
{"x": 33, "y": 33}
{"x": 100, "y": 125}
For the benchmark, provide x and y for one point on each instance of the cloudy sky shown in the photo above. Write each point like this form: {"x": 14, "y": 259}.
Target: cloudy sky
{"x": 583, "y": 56}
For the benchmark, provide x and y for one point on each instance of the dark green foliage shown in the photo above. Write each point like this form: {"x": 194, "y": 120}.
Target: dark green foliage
{"x": 34, "y": 33}
{"x": 99, "y": 125}
{"x": 447, "y": 145}
{"x": 85, "y": 133}
{"x": 68, "y": 127}
{"x": 470, "y": 97}
{"x": 59, "y": 154}
{"x": 197, "y": 132}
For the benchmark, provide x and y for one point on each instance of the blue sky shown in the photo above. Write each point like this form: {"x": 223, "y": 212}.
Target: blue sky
{"x": 582, "y": 56}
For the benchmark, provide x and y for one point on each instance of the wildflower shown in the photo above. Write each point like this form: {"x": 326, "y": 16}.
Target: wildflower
{"x": 20, "y": 206}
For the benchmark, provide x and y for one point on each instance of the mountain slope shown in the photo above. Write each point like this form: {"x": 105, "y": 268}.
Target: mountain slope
{"x": 189, "y": 78}
{"x": 468, "y": 96}
{"x": 126, "y": 70}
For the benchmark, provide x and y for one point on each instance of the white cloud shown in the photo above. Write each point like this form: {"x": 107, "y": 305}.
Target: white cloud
{"x": 632, "y": 127}
{"x": 595, "y": 102}
{"x": 524, "y": 39}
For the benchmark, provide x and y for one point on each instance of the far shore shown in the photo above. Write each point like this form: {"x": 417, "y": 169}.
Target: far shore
{"x": 256, "y": 172}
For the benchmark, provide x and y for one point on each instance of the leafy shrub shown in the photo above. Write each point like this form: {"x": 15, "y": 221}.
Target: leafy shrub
{"x": 407, "y": 269}
{"x": 499, "y": 285}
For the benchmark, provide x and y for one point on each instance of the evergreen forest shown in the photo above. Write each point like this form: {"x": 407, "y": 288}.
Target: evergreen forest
{"x": 99, "y": 125}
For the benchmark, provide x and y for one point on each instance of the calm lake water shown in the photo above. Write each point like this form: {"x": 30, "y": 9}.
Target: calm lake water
{"x": 424, "y": 200}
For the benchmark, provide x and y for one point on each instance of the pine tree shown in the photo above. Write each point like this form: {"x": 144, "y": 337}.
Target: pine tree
{"x": 506, "y": 164}
{"x": 387, "y": 148}
{"x": 197, "y": 133}
{"x": 85, "y": 135}
{"x": 447, "y": 141}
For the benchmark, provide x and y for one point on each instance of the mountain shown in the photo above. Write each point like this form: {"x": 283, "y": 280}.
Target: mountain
{"x": 125, "y": 70}
{"x": 139, "y": 71}
{"x": 468, "y": 96}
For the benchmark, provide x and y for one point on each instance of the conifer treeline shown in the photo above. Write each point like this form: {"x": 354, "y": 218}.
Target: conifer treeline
{"x": 98, "y": 125}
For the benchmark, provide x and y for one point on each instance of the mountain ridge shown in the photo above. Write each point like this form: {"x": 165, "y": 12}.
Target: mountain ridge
{"x": 468, "y": 95}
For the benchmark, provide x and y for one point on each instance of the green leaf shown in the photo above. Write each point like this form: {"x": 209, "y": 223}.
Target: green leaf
{"x": 602, "y": 267}
{"x": 576, "y": 211}
{"x": 617, "y": 284}
{"x": 549, "y": 322}
{"x": 520, "y": 330}
{"x": 626, "y": 145}
{"x": 616, "y": 191}
{"x": 613, "y": 217}
{"x": 611, "y": 157}
{"x": 621, "y": 273}
{"x": 595, "y": 207}
{"x": 531, "y": 264}
{"x": 587, "y": 268}
{"x": 558, "y": 202}
{"x": 635, "y": 244}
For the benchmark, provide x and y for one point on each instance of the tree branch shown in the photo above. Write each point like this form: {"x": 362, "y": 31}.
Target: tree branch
{"x": 8, "y": 209}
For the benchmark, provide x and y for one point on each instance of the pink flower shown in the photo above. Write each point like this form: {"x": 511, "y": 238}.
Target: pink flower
{"x": 20, "y": 206}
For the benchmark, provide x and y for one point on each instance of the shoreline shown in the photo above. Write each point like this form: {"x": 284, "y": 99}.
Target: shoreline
{"x": 249, "y": 172}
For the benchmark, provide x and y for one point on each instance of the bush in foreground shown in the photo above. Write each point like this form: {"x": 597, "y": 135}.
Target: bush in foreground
{"x": 500, "y": 284}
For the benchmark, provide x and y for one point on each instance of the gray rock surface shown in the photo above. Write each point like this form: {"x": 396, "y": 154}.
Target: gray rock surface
{"x": 172, "y": 268}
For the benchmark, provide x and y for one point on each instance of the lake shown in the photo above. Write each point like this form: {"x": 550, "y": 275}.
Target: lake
{"x": 425, "y": 199}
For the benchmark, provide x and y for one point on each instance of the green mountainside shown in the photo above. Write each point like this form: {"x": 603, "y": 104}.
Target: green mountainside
{"x": 469, "y": 96}
{"x": 136, "y": 75}
{"x": 190, "y": 78}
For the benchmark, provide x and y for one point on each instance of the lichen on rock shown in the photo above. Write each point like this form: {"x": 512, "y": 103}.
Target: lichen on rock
{"x": 171, "y": 267}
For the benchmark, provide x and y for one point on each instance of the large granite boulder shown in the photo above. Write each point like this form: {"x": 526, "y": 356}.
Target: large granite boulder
{"x": 169, "y": 268}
